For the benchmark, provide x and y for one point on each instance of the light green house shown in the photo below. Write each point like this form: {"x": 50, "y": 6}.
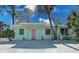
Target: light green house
{"x": 34, "y": 31}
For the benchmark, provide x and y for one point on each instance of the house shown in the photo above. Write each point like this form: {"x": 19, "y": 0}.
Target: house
{"x": 37, "y": 31}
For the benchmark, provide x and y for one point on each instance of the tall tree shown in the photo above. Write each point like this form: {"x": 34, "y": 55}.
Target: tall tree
{"x": 73, "y": 23}
{"x": 73, "y": 19}
{"x": 11, "y": 9}
{"x": 47, "y": 9}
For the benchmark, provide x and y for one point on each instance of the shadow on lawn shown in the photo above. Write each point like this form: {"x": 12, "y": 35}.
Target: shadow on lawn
{"x": 39, "y": 44}
{"x": 35, "y": 45}
{"x": 66, "y": 42}
{"x": 30, "y": 44}
{"x": 71, "y": 47}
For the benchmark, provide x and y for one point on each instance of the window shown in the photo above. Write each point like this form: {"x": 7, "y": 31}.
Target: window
{"x": 21, "y": 31}
{"x": 64, "y": 31}
{"x": 47, "y": 31}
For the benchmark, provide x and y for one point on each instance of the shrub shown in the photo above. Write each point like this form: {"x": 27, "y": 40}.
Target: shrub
{"x": 77, "y": 37}
{"x": 8, "y": 33}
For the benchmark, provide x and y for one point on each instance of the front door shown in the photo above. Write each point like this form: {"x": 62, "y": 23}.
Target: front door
{"x": 33, "y": 34}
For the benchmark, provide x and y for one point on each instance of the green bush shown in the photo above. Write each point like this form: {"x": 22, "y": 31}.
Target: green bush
{"x": 77, "y": 34}
{"x": 8, "y": 33}
{"x": 77, "y": 39}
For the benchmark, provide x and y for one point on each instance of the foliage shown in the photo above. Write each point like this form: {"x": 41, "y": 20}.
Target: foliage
{"x": 8, "y": 33}
{"x": 73, "y": 19}
{"x": 25, "y": 14}
{"x": 10, "y": 9}
{"x": 73, "y": 23}
{"x": 77, "y": 33}
{"x": 47, "y": 9}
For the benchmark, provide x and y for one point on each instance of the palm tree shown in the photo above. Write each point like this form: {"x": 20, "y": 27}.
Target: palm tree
{"x": 47, "y": 9}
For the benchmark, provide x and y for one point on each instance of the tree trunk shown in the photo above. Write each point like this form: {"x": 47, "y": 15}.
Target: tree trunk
{"x": 12, "y": 19}
{"x": 51, "y": 27}
{"x": 13, "y": 13}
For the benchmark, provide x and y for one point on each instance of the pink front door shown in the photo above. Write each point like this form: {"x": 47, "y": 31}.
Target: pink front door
{"x": 33, "y": 34}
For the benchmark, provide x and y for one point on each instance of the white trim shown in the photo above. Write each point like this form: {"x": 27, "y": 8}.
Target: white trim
{"x": 36, "y": 24}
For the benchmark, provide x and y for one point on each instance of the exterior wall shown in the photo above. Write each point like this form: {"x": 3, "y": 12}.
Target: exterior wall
{"x": 27, "y": 33}
{"x": 59, "y": 35}
{"x": 47, "y": 37}
{"x": 40, "y": 32}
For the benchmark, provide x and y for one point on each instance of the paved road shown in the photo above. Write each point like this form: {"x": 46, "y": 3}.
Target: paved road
{"x": 55, "y": 46}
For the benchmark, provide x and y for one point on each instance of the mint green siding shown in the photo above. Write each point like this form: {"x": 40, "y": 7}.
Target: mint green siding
{"x": 40, "y": 32}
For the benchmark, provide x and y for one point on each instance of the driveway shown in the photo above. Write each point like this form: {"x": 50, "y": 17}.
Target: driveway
{"x": 55, "y": 46}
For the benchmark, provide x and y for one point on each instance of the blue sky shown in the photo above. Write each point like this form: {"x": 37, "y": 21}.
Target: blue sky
{"x": 61, "y": 10}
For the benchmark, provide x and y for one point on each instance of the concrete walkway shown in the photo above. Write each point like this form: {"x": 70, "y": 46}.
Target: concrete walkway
{"x": 60, "y": 46}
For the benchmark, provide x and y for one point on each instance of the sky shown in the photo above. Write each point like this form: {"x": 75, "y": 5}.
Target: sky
{"x": 62, "y": 11}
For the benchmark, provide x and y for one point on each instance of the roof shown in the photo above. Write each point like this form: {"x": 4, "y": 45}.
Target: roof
{"x": 37, "y": 24}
